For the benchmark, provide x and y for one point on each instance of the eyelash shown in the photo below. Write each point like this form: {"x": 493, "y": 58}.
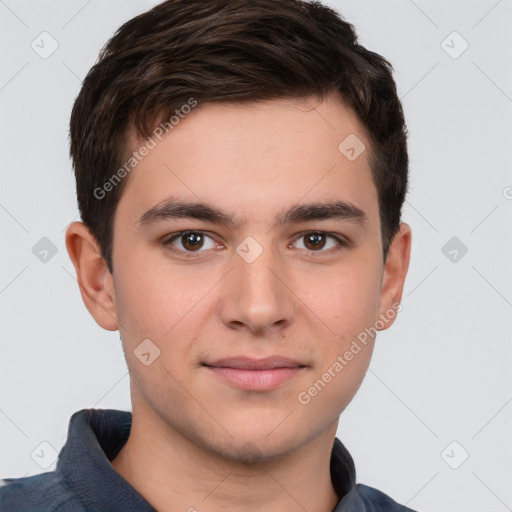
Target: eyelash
{"x": 167, "y": 241}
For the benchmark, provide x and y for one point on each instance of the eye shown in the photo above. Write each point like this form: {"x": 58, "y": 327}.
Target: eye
{"x": 190, "y": 241}
{"x": 315, "y": 241}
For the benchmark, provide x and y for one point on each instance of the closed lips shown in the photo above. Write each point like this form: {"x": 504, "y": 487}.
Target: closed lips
{"x": 244, "y": 363}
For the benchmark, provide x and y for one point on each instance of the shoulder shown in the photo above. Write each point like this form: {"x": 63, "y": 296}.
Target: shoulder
{"x": 376, "y": 501}
{"x": 46, "y": 492}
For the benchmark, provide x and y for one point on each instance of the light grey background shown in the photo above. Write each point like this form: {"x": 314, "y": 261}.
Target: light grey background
{"x": 440, "y": 374}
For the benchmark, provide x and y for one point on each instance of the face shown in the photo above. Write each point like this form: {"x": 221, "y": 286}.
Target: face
{"x": 223, "y": 287}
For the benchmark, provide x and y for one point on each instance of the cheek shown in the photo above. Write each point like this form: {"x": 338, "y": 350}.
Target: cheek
{"x": 348, "y": 305}
{"x": 156, "y": 307}
{"x": 346, "y": 299}
{"x": 144, "y": 305}
{"x": 161, "y": 302}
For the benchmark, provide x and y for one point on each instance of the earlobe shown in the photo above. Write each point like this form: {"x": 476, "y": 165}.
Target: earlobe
{"x": 395, "y": 272}
{"x": 94, "y": 279}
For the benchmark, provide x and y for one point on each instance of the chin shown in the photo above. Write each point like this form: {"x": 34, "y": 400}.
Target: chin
{"x": 252, "y": 444}
{"x": 249, "y": 452}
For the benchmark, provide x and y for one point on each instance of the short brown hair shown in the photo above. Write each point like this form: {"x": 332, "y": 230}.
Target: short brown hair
{"x": 229, "y": 51}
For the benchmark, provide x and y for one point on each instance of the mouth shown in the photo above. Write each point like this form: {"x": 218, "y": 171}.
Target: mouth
{"x": 255, "y": 374}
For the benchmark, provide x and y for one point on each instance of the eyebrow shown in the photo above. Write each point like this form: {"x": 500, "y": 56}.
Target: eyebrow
{"x": 173, "y": 208}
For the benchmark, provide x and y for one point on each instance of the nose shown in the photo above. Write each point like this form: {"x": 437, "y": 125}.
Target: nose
{"x": 258, "y": 294}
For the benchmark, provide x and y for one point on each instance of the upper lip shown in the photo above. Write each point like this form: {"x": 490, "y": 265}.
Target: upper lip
{"x": 248, "y": 363}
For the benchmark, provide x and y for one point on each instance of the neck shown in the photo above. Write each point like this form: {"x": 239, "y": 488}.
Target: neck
{"x": 173, "y": 473}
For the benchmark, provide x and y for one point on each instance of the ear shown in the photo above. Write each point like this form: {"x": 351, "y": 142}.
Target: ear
{"x": 94, "y": 279}
{"x": 393, "y": 278}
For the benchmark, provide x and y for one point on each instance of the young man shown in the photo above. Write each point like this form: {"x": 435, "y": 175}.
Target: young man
{"x": 241, "y": 167}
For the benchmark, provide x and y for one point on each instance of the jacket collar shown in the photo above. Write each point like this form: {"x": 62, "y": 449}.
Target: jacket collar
{"x": 96, "y": 436}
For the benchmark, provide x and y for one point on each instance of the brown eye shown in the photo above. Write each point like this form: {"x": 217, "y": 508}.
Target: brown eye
{"x": 316, "y": 241}
{"x": 189, "y": 241}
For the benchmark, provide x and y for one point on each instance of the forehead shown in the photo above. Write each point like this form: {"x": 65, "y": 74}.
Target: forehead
{"x": 255, "y": 157}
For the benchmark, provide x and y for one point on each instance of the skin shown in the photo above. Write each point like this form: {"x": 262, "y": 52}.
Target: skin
{"x": 197, "y": 441}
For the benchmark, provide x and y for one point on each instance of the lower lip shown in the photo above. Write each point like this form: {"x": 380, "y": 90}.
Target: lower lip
{"x": 256, "y": 380}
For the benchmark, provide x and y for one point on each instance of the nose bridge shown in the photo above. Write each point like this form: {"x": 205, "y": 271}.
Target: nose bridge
{"x": 257, "y": 296}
